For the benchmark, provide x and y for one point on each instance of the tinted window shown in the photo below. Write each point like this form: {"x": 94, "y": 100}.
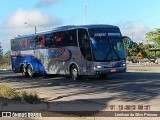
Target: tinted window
{"x": 71, "y": 38}
{"x": 13, "y": 44}
{"x": 59, "y": 38}
{"x": 23, "y": 43}
{"x": 31, "y": 42}
{"x": 40, "y": 41}
{"x": 84, "y": 43}
{"x": 50, "y": 40}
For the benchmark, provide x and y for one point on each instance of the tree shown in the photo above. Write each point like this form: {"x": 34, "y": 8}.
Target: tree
{"x": 131, "y": 52}
{"x": 153, "y": 36}
{"x": 136, "y": 48}
{"x": 1, "y": 54}
{"x": 6, "y": 58}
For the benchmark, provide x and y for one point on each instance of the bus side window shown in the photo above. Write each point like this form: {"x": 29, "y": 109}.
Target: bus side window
{"x": 71, "y": 38}
{"x": 50, "y": 41}
{"x": 17, "y": 44}
{"x": 40, "y": 41}
{"x": 23, "y": 43}
{"x": 43, "y": 40}
{"x": 59, "y": 37}
{"x": 13, "y": 44}
{"x": 31, "y": 43}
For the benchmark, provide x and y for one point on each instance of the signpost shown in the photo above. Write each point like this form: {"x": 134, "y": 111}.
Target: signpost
{"x": 139, "y": 56}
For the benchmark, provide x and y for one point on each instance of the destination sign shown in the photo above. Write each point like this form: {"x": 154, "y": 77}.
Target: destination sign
{"x": 105, "y": 34}
{"x": 114, "y": 34}
{"x": 100, "y": 34}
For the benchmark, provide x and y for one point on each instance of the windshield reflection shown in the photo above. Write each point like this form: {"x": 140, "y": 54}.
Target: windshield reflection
{"x": 108, "y": 50}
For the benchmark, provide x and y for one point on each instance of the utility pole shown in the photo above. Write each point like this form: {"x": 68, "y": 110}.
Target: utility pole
{"x": 35, "y": 27}
{"x": 85, "y": 12}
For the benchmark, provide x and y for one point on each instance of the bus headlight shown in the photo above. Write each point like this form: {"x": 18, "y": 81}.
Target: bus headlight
{"x": 99, "y": 66}
{"x": 124, "y": 64}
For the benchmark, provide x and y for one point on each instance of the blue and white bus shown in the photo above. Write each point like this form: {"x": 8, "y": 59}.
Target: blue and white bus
{"x": 70, "y": 50}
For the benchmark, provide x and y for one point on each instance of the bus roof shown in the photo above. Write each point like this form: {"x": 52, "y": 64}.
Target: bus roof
{"x": 69, "y": 27}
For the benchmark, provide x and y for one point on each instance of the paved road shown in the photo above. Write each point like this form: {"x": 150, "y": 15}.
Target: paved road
{"x": 151, "y": 68}
{"x": 131, "y": 88}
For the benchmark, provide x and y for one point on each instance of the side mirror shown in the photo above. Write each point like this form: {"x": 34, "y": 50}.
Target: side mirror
{"x": 129, "y": 41}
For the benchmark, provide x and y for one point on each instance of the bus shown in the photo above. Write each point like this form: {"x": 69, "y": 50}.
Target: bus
{"x": 77, "y": 51}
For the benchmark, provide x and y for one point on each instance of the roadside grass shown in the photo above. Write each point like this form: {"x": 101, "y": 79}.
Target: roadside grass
{"x": 5, "y": 66}
{"x": 23, "y": 96}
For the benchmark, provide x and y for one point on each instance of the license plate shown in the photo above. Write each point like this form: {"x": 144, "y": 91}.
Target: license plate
{"x": 113, "y": 70}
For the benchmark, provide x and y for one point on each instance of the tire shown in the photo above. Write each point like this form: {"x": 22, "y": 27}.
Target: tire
{"x": 74, "y": 72}
{"x": 24, "y": 71}
{"x": 102, "y": 76}
{"x": 30, "y": 71}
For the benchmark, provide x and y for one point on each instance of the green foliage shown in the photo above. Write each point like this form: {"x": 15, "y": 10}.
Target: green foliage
{"x": 11, "y": 93}
{"x": 136, "y": 48}
{"x": 30, "y": 97}
{"x": 153, "y": 36}
{"x": 8, "y": 92}
{"x": 6, "y": 58}
{"x": 1, "y": 55}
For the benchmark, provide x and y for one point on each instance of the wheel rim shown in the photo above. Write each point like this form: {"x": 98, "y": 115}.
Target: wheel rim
{"x": 74, "y": 72}
{"x": 30, "y": 72}
{"x": 24, "y": 73}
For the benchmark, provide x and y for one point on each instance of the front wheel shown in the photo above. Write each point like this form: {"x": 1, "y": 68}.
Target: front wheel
{"x": 74, "y": 72}
{"x": 30, "y": 71}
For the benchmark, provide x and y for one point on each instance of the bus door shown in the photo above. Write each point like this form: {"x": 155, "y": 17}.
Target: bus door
{"x": 85, "y": 48}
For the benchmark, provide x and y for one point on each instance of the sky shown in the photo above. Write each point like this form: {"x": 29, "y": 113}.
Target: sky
{"x": 134, "y": 17}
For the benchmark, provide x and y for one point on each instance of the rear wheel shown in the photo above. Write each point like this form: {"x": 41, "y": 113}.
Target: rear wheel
{"x": 74, "y": 72}
{"x": 24, "y": 71}
{"x": 30, "y": 71}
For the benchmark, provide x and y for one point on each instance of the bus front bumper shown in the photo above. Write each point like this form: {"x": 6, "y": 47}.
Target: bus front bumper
{"x": 103, "y": 71}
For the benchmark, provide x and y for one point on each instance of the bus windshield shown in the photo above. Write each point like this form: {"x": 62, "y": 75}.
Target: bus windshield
{"x": 107, "y": 46}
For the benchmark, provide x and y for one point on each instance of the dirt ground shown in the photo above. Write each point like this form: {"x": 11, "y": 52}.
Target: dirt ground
{"x": 7, "y": 105}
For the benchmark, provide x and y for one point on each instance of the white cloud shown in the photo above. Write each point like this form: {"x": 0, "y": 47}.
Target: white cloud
{"x": 46, "y": 3}
{"x": 15, "y": 24}
{"x": 33, "y": 17}
{"x": 137, "y": 28}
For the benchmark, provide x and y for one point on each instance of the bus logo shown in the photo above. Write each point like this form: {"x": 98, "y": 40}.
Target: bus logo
{"x": 55, "y": 52}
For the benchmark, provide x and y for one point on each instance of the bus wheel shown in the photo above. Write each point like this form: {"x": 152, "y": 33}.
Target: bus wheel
{"x": 74, "y": 72}
{"x": 102, "y": 76}
{"x": 24, "y": 71}
{"x": 30, "y": 71}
